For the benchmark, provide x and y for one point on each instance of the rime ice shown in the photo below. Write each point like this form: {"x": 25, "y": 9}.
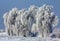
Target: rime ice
{"x": 34, "y": 21}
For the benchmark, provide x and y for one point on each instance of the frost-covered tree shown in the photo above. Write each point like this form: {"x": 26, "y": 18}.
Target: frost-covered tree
{"x": 45, "y": 20}
{"x": 34, "y": 21}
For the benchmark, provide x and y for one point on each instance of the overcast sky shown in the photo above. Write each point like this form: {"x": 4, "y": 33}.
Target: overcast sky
{"x": 6, "y": 5}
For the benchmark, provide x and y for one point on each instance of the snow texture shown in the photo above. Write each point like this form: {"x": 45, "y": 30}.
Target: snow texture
{"x": 33, "y": 21}
{"x": 27, "y": 39}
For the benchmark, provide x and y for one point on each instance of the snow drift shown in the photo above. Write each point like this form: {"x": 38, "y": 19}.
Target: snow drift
{"x": 33, "y": 21}
{"x": 27, "y": 39}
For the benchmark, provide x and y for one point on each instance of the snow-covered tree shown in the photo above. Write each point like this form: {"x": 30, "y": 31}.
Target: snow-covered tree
{"x": 45, "y": 20}
{"x": 28, "y": 22}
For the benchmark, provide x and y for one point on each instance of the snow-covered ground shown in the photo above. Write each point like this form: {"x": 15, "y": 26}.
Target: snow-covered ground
{"x": 27, "y": 39}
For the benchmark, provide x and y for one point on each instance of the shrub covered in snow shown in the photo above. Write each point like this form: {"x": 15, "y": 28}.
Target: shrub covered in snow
{"x": 34, "y": 21}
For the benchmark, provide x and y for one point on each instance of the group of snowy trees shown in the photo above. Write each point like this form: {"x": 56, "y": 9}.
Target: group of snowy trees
{"x": 34, "y": 21}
